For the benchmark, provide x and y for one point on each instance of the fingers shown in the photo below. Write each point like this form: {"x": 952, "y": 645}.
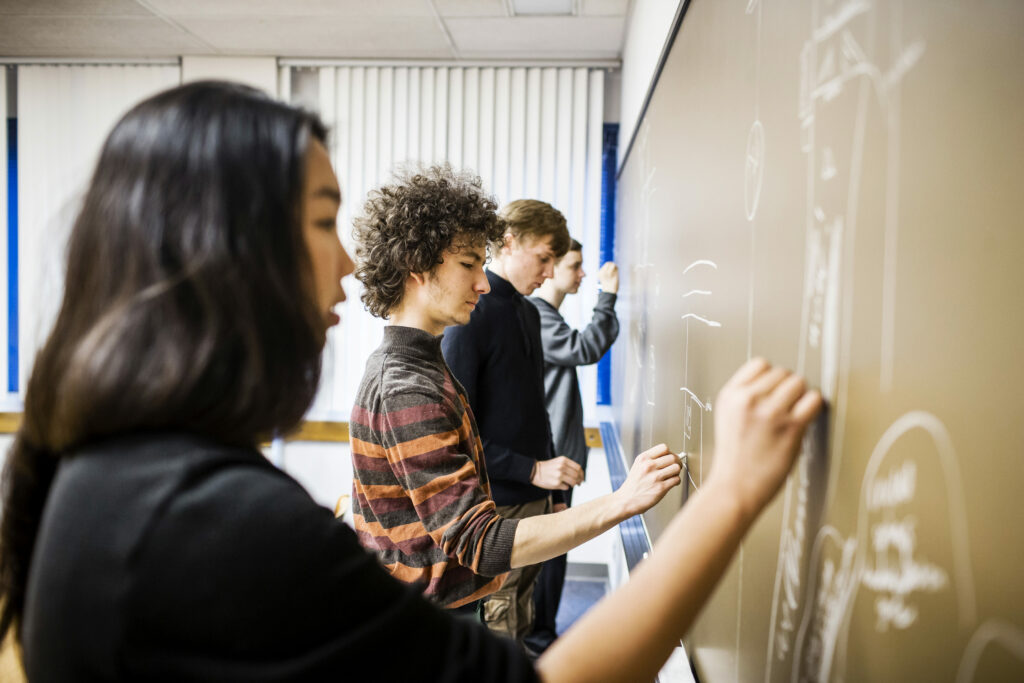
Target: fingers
{"x": 655, "y": 451}
{"x": 747, "y": 372}
{"x": 787, "y": 393}
{"x": 765, "y": 383}
{"x": 569, "y": 471}
{"x": 807, "y": 407}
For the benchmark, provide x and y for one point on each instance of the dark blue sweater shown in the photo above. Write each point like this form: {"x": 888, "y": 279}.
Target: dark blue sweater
{"x": 499, "y": 359}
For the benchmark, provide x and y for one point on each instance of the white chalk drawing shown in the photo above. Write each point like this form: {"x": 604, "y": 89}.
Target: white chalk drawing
{"x": 644, "y": 295}
{"x": 788, "y": 580}
{"x": 693, "y": 426}
{"x": 753, "y": 179}
{"x": 838, "y": 77}
{"x": 693, "y": 397}
{"x": 753, "y": 173}
{"x": 698, "y": 263}
{"x": 694, "y": 404}
{"x": 709, "y": 323}
{"x": 882, "y": 558}
{"x": 894, "y": 585}
{"x": 994, "y": 632}
{"x": 829, "y": 587}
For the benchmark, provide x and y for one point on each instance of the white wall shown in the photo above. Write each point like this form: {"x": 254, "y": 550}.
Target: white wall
{"x": 647, "y": 28}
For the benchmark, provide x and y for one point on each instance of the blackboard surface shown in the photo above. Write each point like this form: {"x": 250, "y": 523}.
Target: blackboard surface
{"x": 837, "y": 186}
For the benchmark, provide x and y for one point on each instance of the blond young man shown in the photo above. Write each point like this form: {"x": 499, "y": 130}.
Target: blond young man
{"x": 564, "y": 350}
{"x": 498, "y": 357}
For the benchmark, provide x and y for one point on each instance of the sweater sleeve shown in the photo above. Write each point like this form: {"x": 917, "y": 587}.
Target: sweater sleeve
{"x": 568, "y": 347}
{"x": 432, "y": 463}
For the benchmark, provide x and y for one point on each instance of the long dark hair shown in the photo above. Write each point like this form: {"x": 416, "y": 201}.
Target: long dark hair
{"x": 187, "y": 302}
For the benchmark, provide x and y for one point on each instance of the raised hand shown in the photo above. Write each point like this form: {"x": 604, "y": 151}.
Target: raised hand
{"x": 608, "y": 278}
{"x": 760, "y": 416}
{"x": 653, "y": 473}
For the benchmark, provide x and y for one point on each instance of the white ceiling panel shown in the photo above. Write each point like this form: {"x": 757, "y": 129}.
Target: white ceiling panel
{"x": 335, "y": 29}
{"x": 471, "y": 8}
{"x": 538, "y": 38}
{"x": 295, "y": 8}
{"x": 73, "y": 7}
{"x": 604, "y": 8}
{"x": 321, "y": 37}
{"x": 109, "y": 36}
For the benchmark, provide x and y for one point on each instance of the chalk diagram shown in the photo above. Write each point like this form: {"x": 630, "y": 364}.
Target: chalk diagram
{"x": 991, "y": 635}
{"x": 645, "y": 289}
{"x": 753, "y": 173}
{"x": 696, "y": 273}
{"x": 883, "y": 559}
{"x": 811, "y": 595}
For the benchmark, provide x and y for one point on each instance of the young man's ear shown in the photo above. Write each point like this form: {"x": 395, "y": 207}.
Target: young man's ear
{"x": 508, "y": 241}
{"x": 418, "y": 278}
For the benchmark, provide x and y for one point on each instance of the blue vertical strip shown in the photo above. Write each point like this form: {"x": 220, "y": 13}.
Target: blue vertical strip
{"x": 609, "y": 160}
{"x": 12, "y": 255}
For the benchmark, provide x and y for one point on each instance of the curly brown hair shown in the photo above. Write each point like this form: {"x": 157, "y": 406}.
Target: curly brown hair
{"x": 408, "y": 225}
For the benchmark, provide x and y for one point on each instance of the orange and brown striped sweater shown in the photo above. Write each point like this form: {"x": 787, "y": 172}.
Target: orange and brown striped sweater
{"x": 421, "y": 499}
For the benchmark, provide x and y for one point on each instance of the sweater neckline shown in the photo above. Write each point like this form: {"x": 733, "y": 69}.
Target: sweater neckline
{"x": 411, "y": 341}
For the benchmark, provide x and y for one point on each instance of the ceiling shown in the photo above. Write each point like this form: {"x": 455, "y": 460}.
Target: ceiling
{"x": 449, "y": 30}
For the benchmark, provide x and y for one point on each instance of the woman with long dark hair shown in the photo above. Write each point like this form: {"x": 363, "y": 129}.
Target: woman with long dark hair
{"x": 144, "y": 536}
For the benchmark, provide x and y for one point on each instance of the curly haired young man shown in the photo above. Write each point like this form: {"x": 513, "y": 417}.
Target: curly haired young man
{"x": 423, "y": 495}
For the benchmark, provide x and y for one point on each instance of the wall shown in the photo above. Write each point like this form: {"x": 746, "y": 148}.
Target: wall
{"x": 647, "y": 29}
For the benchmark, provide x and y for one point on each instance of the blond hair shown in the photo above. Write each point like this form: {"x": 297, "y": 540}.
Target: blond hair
{"x": 534, "y": 219}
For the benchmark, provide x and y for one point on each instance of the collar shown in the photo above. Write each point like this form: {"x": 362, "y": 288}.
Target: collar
{"x": 411, "y": 341}
{"x": 501, "y": 287}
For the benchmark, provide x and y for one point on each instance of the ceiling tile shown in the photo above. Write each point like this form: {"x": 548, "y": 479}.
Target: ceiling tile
{"x": 247, "y": 9}
{"x": 108, "y": 36}
{"x": 322, "y": 37}
{"x": 73, "y": 7}
{"x": 538, "y": 38}
{"x": 604, "y": 8}
{"x": 471, "y": 8}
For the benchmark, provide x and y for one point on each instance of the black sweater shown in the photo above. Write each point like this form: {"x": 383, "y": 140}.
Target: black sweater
{"x": 499, "y": 360}
{"x": 168, "y": 557}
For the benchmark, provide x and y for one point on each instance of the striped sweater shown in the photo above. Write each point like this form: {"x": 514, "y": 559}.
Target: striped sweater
{"x": 421, "y": 498}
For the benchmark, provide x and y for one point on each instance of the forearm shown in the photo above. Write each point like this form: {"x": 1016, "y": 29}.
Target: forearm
{"x": 546, "y": 536}
{"x": 628, "y": 636}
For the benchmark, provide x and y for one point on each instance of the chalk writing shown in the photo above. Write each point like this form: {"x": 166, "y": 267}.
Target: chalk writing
{"x": 1009, "y": 637}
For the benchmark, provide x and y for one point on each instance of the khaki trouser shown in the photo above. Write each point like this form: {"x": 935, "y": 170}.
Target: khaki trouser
{"x": 510, "y": 610}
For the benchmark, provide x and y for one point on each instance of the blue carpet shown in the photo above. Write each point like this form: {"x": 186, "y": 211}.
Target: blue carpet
{"x": 578, "y": 596}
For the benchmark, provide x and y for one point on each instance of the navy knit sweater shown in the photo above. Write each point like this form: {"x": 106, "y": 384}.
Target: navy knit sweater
{"x": 499, "y": 359}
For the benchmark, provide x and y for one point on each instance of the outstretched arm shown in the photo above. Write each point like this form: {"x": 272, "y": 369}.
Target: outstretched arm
{"x": 540, "y": 538}
{"x": 762, "y": 413}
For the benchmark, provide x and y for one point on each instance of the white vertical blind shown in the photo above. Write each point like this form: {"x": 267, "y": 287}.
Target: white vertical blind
{"x": 527, "y": 131}
{"x": 64, "y": 115}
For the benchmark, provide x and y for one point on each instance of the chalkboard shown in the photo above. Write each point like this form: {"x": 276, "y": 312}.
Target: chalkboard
{"x": 836, "y": 186}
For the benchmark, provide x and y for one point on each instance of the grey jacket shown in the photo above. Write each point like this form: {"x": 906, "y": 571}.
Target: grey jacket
{"x": 564, "y": 349}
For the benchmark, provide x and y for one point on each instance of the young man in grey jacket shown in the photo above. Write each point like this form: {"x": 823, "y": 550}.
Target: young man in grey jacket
{"x": 564, "y": 350}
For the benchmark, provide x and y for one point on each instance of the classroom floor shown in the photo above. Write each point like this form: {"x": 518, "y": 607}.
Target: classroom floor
{"x": 578, "y": 595}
